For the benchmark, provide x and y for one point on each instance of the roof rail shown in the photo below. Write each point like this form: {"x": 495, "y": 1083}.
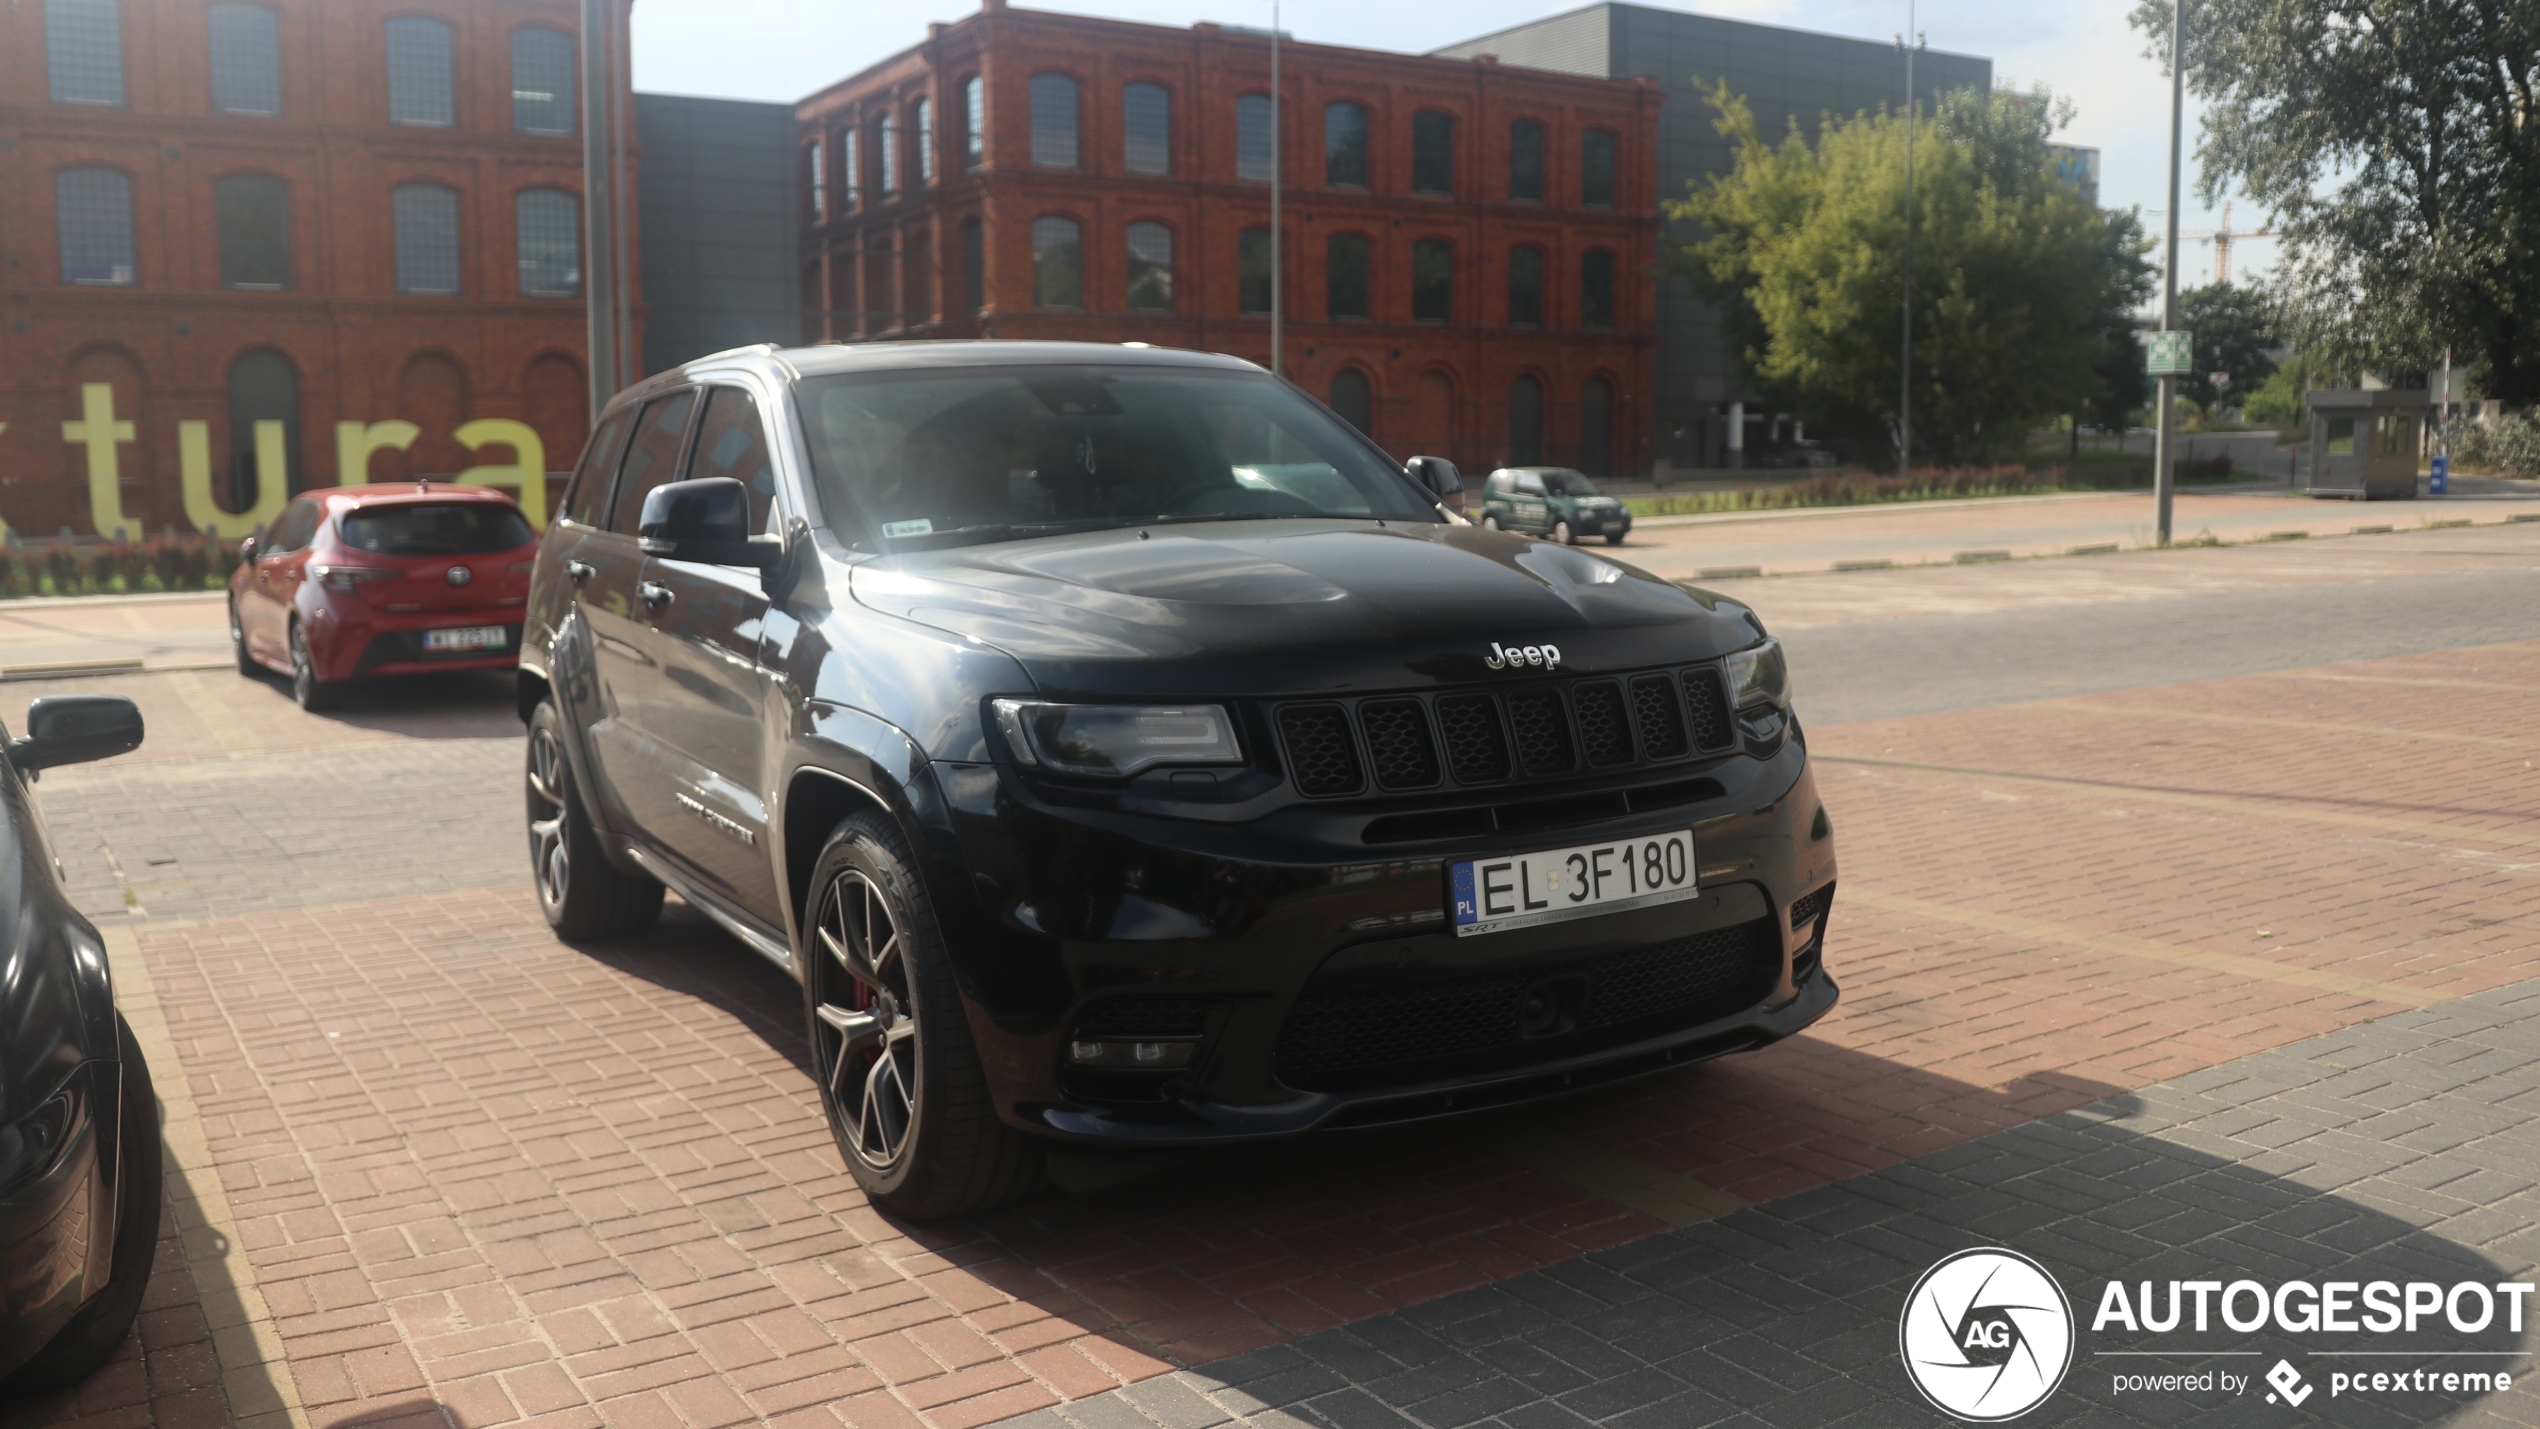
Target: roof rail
{"x": 735, "y": 352}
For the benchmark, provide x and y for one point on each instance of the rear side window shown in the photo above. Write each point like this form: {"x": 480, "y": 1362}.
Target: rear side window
{"x": 295, "y": 527}
{"x": 732, "y": 442}
{"x": 653, "y": 459}
{"x": 587, "y": 502}
{"x": 473, "y": 528}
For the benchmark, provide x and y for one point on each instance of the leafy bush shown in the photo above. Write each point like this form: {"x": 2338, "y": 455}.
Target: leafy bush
{"x": 2510, "y": 447}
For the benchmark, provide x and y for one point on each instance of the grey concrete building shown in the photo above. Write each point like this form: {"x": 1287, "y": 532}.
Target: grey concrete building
{"x": 1785, "y": 75}
{"x": 717, "y": 235}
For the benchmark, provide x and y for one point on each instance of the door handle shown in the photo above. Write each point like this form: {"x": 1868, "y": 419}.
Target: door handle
{"x": 656, "y": 595}
{"x": 580, "y": 571}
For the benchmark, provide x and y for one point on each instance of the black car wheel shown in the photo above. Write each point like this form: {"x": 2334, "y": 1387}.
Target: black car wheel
{"x": 1489, "y": 522}
{"x": 899, "y": 1075}
{"x": 1613, "y": 538}
{"x": 1562, "y": 534}
{"x": 98, "y": 1330}
{"x": 238, "y": 643}
{"x": 315, "y": 695}
{"x": 580, "y": 891}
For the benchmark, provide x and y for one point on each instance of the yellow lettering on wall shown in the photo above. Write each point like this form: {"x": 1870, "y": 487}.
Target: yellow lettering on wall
{"x": 528, "y": 471}
{"x": 355, "y": 442}
{"x": 99, "y": 432}
{"x": 194, "y": 463}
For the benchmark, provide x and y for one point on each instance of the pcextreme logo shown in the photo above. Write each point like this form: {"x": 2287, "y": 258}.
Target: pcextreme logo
{"x": 1986, "y": 1335}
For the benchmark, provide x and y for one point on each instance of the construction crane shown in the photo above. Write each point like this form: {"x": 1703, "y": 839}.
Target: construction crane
{"x": 2222, "y": 238}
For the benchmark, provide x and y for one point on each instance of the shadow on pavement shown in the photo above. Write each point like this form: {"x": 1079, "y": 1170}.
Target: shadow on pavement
{"x": 466, "y": 704}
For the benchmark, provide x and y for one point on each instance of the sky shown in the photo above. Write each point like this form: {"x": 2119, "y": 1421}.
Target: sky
{"x": 784, "y": 49}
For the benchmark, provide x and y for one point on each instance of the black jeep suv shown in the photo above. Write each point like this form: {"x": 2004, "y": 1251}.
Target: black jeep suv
{"x": 1122, "y": 750}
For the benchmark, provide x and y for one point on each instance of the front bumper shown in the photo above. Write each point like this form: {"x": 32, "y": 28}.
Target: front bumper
{"x": 1312, "y": 985}
{"x": 55, "y": 1226}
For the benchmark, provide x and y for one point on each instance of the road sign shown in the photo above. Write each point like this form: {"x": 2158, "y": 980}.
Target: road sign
{"x": 2169, "y": 354}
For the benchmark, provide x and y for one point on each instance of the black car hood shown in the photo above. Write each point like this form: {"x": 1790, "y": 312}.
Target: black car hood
{"x": 1254, "y": 607}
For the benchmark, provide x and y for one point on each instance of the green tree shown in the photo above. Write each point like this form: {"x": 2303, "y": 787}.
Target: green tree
{"x": 2389, "y": 140}
{"x": 2018, "y": 283}
{"x": 2233, "y": 328}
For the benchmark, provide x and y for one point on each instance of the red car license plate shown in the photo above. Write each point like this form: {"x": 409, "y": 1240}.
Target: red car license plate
{"x": 472, "y": 637}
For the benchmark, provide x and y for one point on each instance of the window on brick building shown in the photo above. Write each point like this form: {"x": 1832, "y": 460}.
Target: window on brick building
{"x": 542, "y": 82}
{"x": 886, "y": 149}
{"x": 974, "y": 265}
{"x": 850, "y": 169}
{"x": 1252, "y": 138}
{"x": 1525, "y": 162}
{"x": 1345, "y": 264}
{"x": 93, "y": 211}
{"x": 1353, "y": 399}
{"x": 1058, "y": 266}
{"x": 1432, "y": 152}
{"x": 1525, "y": 287}
{"x": 1596, "y": 427}
{"x": 1146, "y": 129}
{"x": 1596, "y": 288}
{"x": 246, "y": 55}
{"x": 1525, "y": 422}
{"x": 419, "y": 73}
{"x": 1252, "y": 271}
{"x": 974, "y": 124}
{"x": 253, "y": 215}
{"x": 921, "y": 126}
{"x": 1432, "y": 280}
{"x": 1053, "y": 121}
{"x": 1150, "y": 268}
{"x": 1345, "y": 145}
{"x": 548, "y": 223}
{"x": 83, "y": 51}
{"x": 1596, "y": 168}
{"x": 815, "y": 182}
{"x": 427, "y": 231}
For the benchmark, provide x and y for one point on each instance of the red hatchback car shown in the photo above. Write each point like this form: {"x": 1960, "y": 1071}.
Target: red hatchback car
{"x": 382, "y": 580}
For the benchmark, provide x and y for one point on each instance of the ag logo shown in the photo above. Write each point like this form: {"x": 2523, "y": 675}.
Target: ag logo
{"x": 1986, "y": 1335}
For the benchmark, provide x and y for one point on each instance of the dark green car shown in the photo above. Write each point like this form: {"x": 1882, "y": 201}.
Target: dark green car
{"x": 1552, "y": 501}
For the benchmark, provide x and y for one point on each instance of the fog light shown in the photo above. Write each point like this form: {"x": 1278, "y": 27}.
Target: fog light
{"x": 1144, "y": 1056}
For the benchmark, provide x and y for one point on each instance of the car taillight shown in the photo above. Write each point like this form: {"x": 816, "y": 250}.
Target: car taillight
{"x": 348, "y": 577}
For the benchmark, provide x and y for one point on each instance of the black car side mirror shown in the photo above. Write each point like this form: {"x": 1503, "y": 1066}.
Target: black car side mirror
{"x": 706, "y": 520}
{"x": 1439, "y": 478}
{"x": 74, "y": 729}
{"x": 247, "y": 549}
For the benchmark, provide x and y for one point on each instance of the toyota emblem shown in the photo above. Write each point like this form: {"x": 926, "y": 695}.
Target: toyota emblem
{"x": 460, "y": 575}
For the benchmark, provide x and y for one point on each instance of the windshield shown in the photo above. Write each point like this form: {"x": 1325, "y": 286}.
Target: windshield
{"x": 1569, "y": 483}
{"x": 944, "y": 457}
{"x": 473, "y": 529}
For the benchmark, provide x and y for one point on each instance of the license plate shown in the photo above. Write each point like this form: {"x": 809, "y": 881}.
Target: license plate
{"x": 1520, "y": 890}
{"x": 472, "y": 637}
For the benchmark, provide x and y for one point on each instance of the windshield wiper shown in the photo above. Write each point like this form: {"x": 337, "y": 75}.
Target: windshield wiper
{"x": 993, "y": 531}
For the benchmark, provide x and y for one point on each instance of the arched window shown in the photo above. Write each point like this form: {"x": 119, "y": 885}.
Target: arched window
{"x": 974, "y": 264}
{"x": 93, "y": 209}
{"x": 886, "y": 148}
{"x": 263, "y": 388}
{"x": 1345, "y": 276}
{"x": 974, "y": 123}
{"x": 1252, "y": 271}
{"x": 1596, "y": 168}
{"x": 246, "y": 54}
{"x": 1596, "y": 427}
{"x": 253, "y": 214}
{"x": 1432, "y": 280}
{"x": 542, "y": 82}
{"x": 549, "y": 225}
{"x": 1146, "y": 129}
{"x": 419, "y": 73}
{"x": 815, "y": 182}
{"x": 1353, "y": 399}
{"x": 83, "y": 51}
{"x": 1596, "y": 288}
{"x": 1150, "y": 268}
{"x": 850, "y": 168}
{"x": 1252, "y": 138}
{"x": 1432, "y": 152}
{"x": 921, "y": 126}
{"x": 427, "y": 224}
{"x": 1345, "y": 145}
{"x": 1525, "y": 287}
{"x": 1058, "y": 270}
{"x": 1525, "y": 422}
{"x": 1053, "y": 121}
{"x": 1525, "y": 161}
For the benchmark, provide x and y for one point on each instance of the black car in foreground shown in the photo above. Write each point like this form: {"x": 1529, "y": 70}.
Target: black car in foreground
{"x": 1123, "y": 751}
{"x": 79, "y": 1127}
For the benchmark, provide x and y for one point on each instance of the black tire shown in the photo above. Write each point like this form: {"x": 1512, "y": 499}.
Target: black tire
{"x": 914, "y": 1121}
{"x": 1489, "y": 522}
{"x": 314, "y": 695}
{"x": 1562, "y": 534}
{"x": 580, "y": 891}
{"x": 93, "y": 1335}
{"x": 1613, "y": 538}
{"x": 238, "y": 643}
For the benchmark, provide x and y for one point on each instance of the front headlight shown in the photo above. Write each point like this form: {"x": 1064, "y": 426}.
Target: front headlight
{"x": 1759, "y": 676}
{"x": 1116, "y": 740}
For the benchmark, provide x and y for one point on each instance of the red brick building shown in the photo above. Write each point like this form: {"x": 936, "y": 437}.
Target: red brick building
{"x": 327, "y": 236}
{"x": 1469, "y": 246}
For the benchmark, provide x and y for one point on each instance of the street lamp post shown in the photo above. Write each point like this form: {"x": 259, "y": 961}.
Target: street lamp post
{"x": 2163, "y": 479}
{"x": 1905, "y": 367}
{"x": 599, "y": 182}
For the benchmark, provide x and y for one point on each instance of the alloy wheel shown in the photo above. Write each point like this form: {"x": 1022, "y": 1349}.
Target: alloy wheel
{"x": 550, "y": 853}
{"x": 867, "y": 1020}
{"x": 303, "y": 670}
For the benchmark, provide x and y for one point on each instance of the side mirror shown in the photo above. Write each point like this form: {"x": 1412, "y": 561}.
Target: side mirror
{"x": 1439, "y": 477}
{"x": 74, "y": 729}
{"x": 705, "y": 520}
{"x": 247, "y": 549}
